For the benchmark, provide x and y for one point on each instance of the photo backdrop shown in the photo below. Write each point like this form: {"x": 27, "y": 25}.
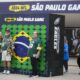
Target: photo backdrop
{"x": 19, "y": 63}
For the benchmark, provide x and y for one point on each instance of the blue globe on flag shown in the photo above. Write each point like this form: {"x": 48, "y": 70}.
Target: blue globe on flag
{"x": 22, "y": 41}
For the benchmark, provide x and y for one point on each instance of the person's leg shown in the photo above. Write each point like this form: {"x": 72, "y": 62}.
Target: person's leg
{"x": 5, "y": 67}
{"x": 32, "y": 62}
{"x": 8, "y": 59}
{"x": 4, "y": 61}
{"x": 78, "y": 62}
{"x": 8, "y": 65}
{"x": 35, "y": 71}
{"x": 66, "y": 65}
{"x": 34, "y": 66}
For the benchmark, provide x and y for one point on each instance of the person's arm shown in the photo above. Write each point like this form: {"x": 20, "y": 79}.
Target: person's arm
{"x": 38, "y": 54}
{"x": 30, "y": 45}
{"x": 3, "y": 42}
{"x": 38, "y": 50}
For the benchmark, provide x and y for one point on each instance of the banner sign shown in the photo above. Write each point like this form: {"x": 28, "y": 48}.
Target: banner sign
{"x": 55, "y": 44}
{"x": 41, "y": 7}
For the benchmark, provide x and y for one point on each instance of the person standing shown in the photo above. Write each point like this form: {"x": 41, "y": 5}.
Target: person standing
{"x": 34, "y": 52}
{"x": 66, "y": 54}
{"x": 78, "y": 49}
{"x": 6, "y": 57}
{"x": 1, "y": 38}
{"x": 78, "y": 55}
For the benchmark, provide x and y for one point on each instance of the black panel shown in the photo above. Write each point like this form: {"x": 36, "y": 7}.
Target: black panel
{"x": 55, "y": 54}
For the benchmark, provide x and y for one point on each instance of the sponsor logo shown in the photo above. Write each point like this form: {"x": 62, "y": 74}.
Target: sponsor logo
{"x": 19, "y": 8}
{"x": 9, "y": 19}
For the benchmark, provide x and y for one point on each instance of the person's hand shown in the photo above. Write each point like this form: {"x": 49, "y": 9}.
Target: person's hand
{"x": 39, "y": 48}
{"x": 30, "y": 47}
{"x": 34, "y": 55}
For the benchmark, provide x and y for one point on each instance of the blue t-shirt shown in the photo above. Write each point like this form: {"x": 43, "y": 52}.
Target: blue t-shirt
{"x": 66, "y": 51}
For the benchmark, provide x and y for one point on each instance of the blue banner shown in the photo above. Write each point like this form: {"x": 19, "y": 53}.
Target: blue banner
{"x": 40, "y": 7}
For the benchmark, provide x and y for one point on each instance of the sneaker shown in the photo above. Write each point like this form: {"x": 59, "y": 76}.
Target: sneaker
{"x": 8, "y": 72}
{"x": 4, "y": 72}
